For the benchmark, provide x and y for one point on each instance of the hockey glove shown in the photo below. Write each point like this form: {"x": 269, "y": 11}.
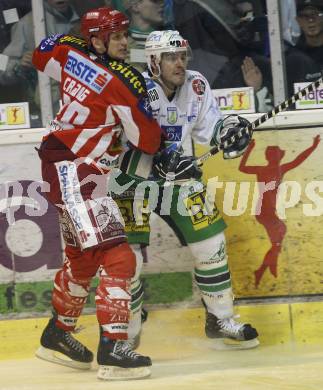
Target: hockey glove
{"x": 171, "y": 165}
{"x": 228, "y": 129}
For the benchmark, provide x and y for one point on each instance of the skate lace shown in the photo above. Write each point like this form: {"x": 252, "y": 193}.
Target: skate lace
{"x": 78, "y": 329}
{"x": 230, "y": 325}
{"x": 124, "y": 348}
{"x": 73, "y": 343}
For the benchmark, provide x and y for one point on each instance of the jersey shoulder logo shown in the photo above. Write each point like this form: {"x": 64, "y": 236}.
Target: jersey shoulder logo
{"x": 198, "y": 86}
{"x": 70, "y": 40}
{"x": 48, "y": 43}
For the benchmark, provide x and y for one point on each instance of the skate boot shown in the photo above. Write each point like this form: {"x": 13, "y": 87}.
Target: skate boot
{"x": 54, "y": 340}
{"x": 134, "y": 342}
{"x": 117, "y": 361}
{"x": 230, "y": 334}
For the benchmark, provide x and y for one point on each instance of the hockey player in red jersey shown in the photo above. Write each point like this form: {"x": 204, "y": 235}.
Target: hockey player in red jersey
{"x": 103, "y": 99}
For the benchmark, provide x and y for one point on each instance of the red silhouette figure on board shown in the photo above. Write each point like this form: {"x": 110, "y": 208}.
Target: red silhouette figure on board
{"x": 272, "y": 172}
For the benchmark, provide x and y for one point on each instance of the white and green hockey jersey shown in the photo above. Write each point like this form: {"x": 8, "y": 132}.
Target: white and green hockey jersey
{"x": 192, "y": 113}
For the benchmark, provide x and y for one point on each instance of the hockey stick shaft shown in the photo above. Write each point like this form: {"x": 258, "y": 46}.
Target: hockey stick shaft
{"x": 262, "y": 119}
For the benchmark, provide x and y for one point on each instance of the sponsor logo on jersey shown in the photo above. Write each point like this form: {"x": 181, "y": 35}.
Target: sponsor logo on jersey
{"x": 129, "y": 74}
{"x": 198, "y": 86}
{"x": 174, "y": 133}
{"x": 68, "y": 196}
{"x": 71, "y": 39}
{"x": 85, "y": 71}
{"x": 172, "y": 115}
{"x": 49, "y": 43}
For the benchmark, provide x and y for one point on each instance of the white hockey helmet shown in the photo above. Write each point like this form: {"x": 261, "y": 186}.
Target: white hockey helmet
{"x": 159, "y": 42}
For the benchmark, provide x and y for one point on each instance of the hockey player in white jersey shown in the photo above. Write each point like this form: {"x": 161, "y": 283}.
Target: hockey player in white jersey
{"x": 183, "y": 105}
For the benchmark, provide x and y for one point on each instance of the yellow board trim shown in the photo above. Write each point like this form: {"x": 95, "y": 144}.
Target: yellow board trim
{"x": 299, "y": 323}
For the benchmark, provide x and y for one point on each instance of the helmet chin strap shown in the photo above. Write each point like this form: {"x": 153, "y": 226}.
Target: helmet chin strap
{"x": 158, "y": 78}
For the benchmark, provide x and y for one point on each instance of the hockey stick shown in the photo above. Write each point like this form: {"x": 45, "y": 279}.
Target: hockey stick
{"x": 253, "y": 125}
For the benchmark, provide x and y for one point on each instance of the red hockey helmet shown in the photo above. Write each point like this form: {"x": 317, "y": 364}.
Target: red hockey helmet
{"x": 101, "y": 22}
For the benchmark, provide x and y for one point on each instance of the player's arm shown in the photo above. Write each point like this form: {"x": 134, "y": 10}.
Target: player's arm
{"x": 131, "y": 105}
{"x": 209, "y": 113}
{"x": 211, "y": 128}
{"x": 49, "y": 55}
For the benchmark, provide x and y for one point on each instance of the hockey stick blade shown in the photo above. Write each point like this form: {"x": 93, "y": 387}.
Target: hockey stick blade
{"x": 262, "y": 119}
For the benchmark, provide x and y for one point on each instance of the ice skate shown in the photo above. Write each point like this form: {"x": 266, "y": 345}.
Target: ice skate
{"x": 117, "y": 361}
{"x": 59, "y": 346}
{"x": 229, "y": 333}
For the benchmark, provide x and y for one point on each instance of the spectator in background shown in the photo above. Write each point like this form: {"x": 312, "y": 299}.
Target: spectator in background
{"x": 304, "y": 62}
{"x": 21, "y": 7}
{"x": 248, "y": 66}
{"x": 228, "y": 44}
{"x": 291, "y": 30}
{"x": 59, "y": 17}
{"x": 145, "y": 16}
{"x": 252, "y": 31}
{"x": 208, "y": 26}
{"x": 82, "y": 6}
{"x": 9, "y": 10}
{"x": 244, "y": 71}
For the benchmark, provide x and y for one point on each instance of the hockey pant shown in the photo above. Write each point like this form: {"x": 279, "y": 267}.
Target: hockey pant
{"x": 108, "y": 252}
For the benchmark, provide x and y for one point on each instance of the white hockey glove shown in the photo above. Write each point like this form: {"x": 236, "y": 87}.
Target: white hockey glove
{"x": 228, "y": 128}
{"x": 171, "y": 165}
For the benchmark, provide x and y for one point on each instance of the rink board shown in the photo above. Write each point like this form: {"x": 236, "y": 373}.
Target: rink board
{"x": 31, "y": 249}
{"x": 300, "y": 262}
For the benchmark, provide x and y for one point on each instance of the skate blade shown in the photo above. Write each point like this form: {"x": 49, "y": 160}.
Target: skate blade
{"x": 113, "y": 373}
{"x": 226, "y": 344}
{"x": 59, "y": 358}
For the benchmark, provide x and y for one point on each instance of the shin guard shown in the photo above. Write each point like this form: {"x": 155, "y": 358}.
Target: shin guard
{"x": 113, "y": 306}
{"x": 69, "y": 297}
{"x": 212, "y": 275}
{"x": 137, "y": 296}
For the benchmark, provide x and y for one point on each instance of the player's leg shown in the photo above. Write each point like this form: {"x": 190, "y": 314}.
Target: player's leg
{"x": 71, "y": 288}
{"x": 94, "y": 227}
{"x": 72, "y": 282}
{"x": 138, "y": 315}
{"x": 213, "y": 279}
{"x": 138, "y": 237}
{"x": 202, "y": 230}
{"x": 115, "y": 356}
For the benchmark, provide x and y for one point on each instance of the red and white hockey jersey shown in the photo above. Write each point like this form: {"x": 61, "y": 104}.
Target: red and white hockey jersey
{"x": 100, "y": 99}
